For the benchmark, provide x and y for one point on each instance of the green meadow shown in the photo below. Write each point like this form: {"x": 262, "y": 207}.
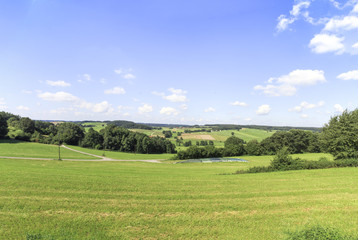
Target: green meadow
{"x": 14, "y": 148}
{"x": 136, "y": 200}
{"x": 124, "y": 155}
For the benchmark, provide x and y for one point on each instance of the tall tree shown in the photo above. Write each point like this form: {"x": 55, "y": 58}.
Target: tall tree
{"x": 3, "y": 127}
{"x": 69, "y": 133}
{"x": 340, "y": 135}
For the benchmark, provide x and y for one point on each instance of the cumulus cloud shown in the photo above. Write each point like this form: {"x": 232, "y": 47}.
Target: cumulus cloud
{"x": 129, "y": 76}
{"x": 334, "y": 36}
{"x": 177, "y": 95}
{"x": 324, "y": 43}
{"x": 125, "y": 73}
{"x": 355, "y": 45}
{"x": 296, "y": 12}
{"x": 351, "y": 75}
{"x": 145, "y": 108}
{"x": 22, "y": 108}
{"x": 85, "y": 77}
{"x": 58, "y": 83}
{"x": 169, "y": 111}
{"x": 338, "y": 108}
{"x": 306, "y": 105}
{"x": 115, "y": 90}
{"x": 341, "y": 23}
{"x": 263, "y": 110}
{"x": 58, "y": 97}
{"x": 237, "y": 103}
{"x": 287, "y": 85}
{"x": 210, "y": 109}
{"x": 102, "y": 107}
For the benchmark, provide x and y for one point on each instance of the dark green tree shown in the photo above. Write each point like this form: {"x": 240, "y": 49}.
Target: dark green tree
{"x": 92, "y": 139}
{"x": 253, "y": 148}
{"x": 3, "y": 127}
{"x": 27, "y": 125}
{"x": 340, "y": 135}
{"x": 69, "y": 133}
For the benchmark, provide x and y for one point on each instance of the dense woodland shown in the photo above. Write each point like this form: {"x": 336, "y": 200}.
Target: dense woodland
{"x": 338, "y": 137}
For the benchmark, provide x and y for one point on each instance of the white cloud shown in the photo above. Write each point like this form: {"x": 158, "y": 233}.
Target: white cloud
{"x": 58, "y": 97}
{"x": 210, "y": 109}
{"x": 338, "y": 108}
{"x": 178, "y": 95}
{"x": 355, "y": 45}
{"x": 102, "y": 107}
{"x": 324, "y": 43}
{"x": 263, "y": 110}
{"x": 237, "y": 103}
{"x": 115, "y": 90}
{"x": 351, "y": 75}
{"x": 146, "y": 108}
{"x": 3, "y": 104}
{"x": 346, "y": 23}
{"x": 87, "y": 77}
{"x": 22, "y": 108}
{"x": 355, "y": 9}
{"x": 304, "y": 116}
{"x": 129, "y": 76}
{"x": 118, "y": 71}
{"x": 58, "y": 83}
{"x": 276, "y": 91}
{"x": 306, "y": 105}
{"x": 184, "y": 106}
{"x": 286, "y": 85}
{"x": 295, "y": 13}
{"x": 169, "y": 111}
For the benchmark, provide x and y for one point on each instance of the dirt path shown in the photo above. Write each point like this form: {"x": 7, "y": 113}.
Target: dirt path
{"x": 101, "y": 158}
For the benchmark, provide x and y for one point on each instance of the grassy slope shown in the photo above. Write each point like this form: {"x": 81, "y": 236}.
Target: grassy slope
{"x": 123, "y": 155}
{"x": 13, "y": 148}
{"x": 111, "y": 200}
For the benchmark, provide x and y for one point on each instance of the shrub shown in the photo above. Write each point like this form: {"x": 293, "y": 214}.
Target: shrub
{"x": 318, "y": 232}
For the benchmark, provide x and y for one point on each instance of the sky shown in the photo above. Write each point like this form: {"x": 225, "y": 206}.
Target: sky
{"x": 281, "y": 63}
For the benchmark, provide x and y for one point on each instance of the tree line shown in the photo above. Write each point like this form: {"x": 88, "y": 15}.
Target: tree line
{"x": 111, "y": 137}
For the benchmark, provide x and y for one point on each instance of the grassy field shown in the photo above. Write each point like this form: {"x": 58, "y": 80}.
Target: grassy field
{"x": 13, "y": 148}
{"x": 132, "y": 200}
{"x": 123, "y": 155}
{"x": 95, "y": 125}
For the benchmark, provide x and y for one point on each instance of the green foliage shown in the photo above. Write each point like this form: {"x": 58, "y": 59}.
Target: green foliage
{"x": 340, "y": 135}
{"x": 3, "y": 127}
{"x": 253, "y": 148}
{"x": 27, "y": 125}
{"x": 92, "y": 139}
{"x": 319, "y": 232}
{"x": 69, "y": 133}
{"x": 234, "y": 146}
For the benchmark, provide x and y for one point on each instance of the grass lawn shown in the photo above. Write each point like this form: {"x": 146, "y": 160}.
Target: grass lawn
{"x": 13, "y": 148}
{"x": 123, "y": 155}
{"x": 134, "y": 200}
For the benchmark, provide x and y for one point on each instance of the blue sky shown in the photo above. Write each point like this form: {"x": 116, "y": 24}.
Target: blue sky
{"x": 191, "y": 62}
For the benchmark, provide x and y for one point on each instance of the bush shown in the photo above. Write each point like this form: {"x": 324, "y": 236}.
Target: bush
{"x": 318, "y": 233}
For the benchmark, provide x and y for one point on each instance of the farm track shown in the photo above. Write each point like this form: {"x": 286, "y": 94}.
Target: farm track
{"x": 101, "y": 158}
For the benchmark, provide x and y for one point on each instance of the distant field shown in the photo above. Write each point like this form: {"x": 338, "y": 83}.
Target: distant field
{"x": 218, "y": 137}
{"x": 95, "y": 125}
{"x": 132, "y": 200}
{"x": 13, "y": 148}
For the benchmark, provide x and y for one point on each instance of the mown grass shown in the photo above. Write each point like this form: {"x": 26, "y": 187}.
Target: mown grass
{"x": 14, "y": 148}
{"x": 124, "y": 155}
{"x": 133, "y": 200}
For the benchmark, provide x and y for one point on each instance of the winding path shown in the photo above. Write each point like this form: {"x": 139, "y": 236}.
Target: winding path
{"x": 101, "y": 158}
